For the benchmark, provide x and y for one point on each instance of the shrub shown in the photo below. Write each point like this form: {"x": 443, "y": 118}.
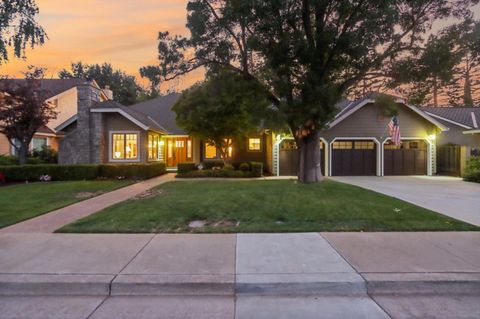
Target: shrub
{"x": 34, "y": 161}
{"x": 8, "y": 160}
{"x": 216, "y": 173}
{"x": 81, "y": 172}
{"x": 46, "y": 154}
{"x": 244, "y": 167}
{"x": 186, "y": 167}
{"x": 256, "y": 169}
{"x": 472, "y": 171}
{"x": 209, "y": 164}
{"x": 229, "y": 167}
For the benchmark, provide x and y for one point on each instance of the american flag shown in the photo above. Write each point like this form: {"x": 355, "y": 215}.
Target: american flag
{"x": 394, "y": 130}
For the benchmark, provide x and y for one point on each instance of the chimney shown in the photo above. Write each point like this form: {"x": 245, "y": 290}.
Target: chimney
{"x": 108, "y": 92}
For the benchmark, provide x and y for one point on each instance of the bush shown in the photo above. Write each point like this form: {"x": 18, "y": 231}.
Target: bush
{"x": 472, "y": 171}
{"x": 229, "y": 167}
{"x": 256, "y": 169}
{"x": 27, "y": 172}
{"x": 216, "y": 173}
{"x": 8, "y": 160}
{"x": 244, "y": 167}
{"x": 209, "y": 164}
{"x": 34, "y": 161}
{"x": 186, "y": 167}
{"x": 46, "y": 154}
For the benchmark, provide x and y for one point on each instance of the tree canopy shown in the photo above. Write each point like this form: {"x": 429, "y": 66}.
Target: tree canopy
{"x": 307, "y": 53}
{"x": 18, "y": 27}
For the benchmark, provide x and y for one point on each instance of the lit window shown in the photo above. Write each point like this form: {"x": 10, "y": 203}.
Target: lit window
{"x": 124, "y": 146}
{"x": 254, "y": 144}
{"x": 210, "y": 151}
{"x": 342, "y": 145}
{"x": 189, "y": 148}
{"x": 364, "y": 145}
{"x": 179, "y": 143}
{"x": 153, "y": 146}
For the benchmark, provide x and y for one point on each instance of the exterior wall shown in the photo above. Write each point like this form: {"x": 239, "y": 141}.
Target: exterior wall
{"x": 66, "y": 107}
{"x": 4, "y": 145}
{"x": 6, "y": 148}
{"x": 455, "y": 136}
{"x": 77, "y": 146}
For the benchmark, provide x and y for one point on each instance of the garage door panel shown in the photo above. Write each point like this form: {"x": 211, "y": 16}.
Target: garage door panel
{"x": 354, "y": 162}
{"x": 406, "y": 161}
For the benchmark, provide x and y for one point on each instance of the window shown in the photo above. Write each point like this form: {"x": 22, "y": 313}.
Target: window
{"x": 189, "y": 148}
{"x": 254, "y": 144}
{"x": 364, "y": 145}
{"x": 124, "y": 146}
{"x": 153, "y": 146}
{"x": 343, "y": 145}
{"x": 210, "y": 151}
{"x": 38, "y": 143}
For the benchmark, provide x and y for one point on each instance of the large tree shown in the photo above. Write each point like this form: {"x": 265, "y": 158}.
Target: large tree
{"x": 23, "y": 110}
{"x": 18, "y": 27}
{"x": 221, "y": 109}
{"x": 308, "y": 53}
{"x": 125, "y": 88}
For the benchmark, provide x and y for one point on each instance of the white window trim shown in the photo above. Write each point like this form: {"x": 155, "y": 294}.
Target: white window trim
{"x": 110, "y": 145}
{"x": 374, "y": 139}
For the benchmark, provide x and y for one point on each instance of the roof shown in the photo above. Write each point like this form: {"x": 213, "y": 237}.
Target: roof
{"x": 466, "y": 117}
{"x": 143, "y": 120}
{"x": 354, "y": 106}
{"x": 160, "y": 110}
{"x": 52, "y": 87}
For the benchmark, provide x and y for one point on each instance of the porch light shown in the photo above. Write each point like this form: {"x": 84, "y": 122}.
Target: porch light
{"x": 431, "y": 137}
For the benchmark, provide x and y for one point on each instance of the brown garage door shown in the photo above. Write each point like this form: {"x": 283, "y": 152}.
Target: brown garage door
{"x": 354, "y": 158}
{"x": 408, "y": 159}
{"x": 288, "y": 158}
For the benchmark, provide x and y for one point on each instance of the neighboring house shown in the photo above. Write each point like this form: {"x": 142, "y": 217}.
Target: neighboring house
{"x": 62, "y": 93}
{"x": 461, "y": 141}
{"x": 356, "y": 142}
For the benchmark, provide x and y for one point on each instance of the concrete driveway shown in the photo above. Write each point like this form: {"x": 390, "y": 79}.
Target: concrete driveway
{"x": 446, "y": 195}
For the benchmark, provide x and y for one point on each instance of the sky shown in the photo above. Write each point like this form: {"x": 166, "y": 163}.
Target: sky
{"x": 121, "y": 32}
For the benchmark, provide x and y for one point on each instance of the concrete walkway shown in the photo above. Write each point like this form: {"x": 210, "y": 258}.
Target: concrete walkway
{"x": 337, "y": 275}
{"x": 446, "y": 195}
{"x": 50, "y": 222}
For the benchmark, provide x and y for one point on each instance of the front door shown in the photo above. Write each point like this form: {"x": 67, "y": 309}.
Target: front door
{"x": 179, "y": 150}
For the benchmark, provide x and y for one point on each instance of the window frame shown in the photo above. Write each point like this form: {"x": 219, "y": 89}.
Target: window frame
{"x": 217, "y": 155}
{"x": 155, "y": 151}
{"x": 124, "y": 160}
{"x": 260, "y": 146}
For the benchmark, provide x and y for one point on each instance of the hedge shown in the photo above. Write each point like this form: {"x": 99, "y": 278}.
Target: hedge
{"x": 209, "y": 164}
{"x": 216, "y": 173}
{"x": 472, "y": 171}
{"x": 186, "y": 167}
{"x": 256, "y": 168}
{"x": 82, "y": 172}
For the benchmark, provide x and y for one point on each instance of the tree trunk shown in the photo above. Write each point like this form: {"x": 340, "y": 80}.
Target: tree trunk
{"x": 467, "y": 91}
{"x": 435, "y": 92}
{"x": 309, "y": 170}
{"x": 22, "y": 154}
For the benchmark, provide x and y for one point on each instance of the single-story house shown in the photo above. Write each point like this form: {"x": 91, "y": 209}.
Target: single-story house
{"x": 356, "y": 141}
{"x": 461, "y": 141}
{"x": 62, "y": 93}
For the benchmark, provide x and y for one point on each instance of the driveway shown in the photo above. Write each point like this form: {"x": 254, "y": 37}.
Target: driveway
{"x": 446, "y": 195}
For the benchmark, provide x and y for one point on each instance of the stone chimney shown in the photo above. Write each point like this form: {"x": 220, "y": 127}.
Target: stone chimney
{"x": 108, "y": 92}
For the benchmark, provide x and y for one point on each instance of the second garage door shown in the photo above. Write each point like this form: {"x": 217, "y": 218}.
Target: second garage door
{"x": 354, "y": 158}
{"x": 408, "y": 159}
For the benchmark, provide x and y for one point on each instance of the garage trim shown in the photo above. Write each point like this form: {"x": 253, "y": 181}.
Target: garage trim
{"x": 276, "y": 154}
{"x": 430, "y": 150}
{"x": 374, "y": 139}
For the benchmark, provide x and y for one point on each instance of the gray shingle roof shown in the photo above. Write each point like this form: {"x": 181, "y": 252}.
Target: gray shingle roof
{"x": 462, "y": 115}
{"x": 51, "y": 86}
{"x": 160, "y": 110}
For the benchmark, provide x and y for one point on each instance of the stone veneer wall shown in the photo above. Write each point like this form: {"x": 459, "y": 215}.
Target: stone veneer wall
{"x": 84, "y": 144}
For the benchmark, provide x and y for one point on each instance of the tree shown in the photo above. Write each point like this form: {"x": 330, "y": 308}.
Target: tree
{"x": 125, "y": 88}
{"x": 18, "y": 28}
{"x": 23, "y": 110}
{"x": 218, "y": 110}
{"x": 153, "y": 74}
{"x": 307, "y": 53}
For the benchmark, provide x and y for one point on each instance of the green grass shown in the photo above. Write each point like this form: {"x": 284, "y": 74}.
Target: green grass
{"x": 24, "y": 201}
{"x": 263, "y": 206}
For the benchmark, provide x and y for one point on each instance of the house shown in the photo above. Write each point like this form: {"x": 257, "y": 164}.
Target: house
{"x": 356, "y": 141}
{"x": 461, "y": 141}
{"x": 62, "y": 93}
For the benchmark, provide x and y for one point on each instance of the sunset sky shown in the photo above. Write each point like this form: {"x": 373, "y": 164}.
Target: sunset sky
{"x": 123, "y": 33}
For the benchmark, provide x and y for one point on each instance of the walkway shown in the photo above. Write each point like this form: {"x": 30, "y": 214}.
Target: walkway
{"x": 302, "y": 275}
{"x": 52, "y": 221}
{"x": 446, "y": 195}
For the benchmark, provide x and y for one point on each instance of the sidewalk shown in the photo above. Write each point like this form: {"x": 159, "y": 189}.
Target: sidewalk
{"x": 52, "y": 221}
{"x": 341, "y": 275}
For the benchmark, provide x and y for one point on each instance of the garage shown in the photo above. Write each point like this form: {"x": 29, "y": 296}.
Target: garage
{"x": 409, "y": 158}
{"x": 354, "y": 158}
{"x": 288, "y": 158}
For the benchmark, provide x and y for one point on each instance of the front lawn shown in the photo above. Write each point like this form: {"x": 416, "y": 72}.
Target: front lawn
{"x": 262, "y": 206}
{"x": 24, "y": 201}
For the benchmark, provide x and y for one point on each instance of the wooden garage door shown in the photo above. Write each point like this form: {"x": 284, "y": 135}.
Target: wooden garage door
{"x": 288, "y": 158}
{"x": 408, "y": 159}
{"x": 354, "y": 158}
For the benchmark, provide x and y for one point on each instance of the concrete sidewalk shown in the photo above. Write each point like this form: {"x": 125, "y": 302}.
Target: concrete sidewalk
{"x": 52, "y": 221}
{"x": 341, "y": 275}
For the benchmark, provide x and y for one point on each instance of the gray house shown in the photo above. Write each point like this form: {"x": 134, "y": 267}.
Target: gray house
{"x": 356, "y": 141}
